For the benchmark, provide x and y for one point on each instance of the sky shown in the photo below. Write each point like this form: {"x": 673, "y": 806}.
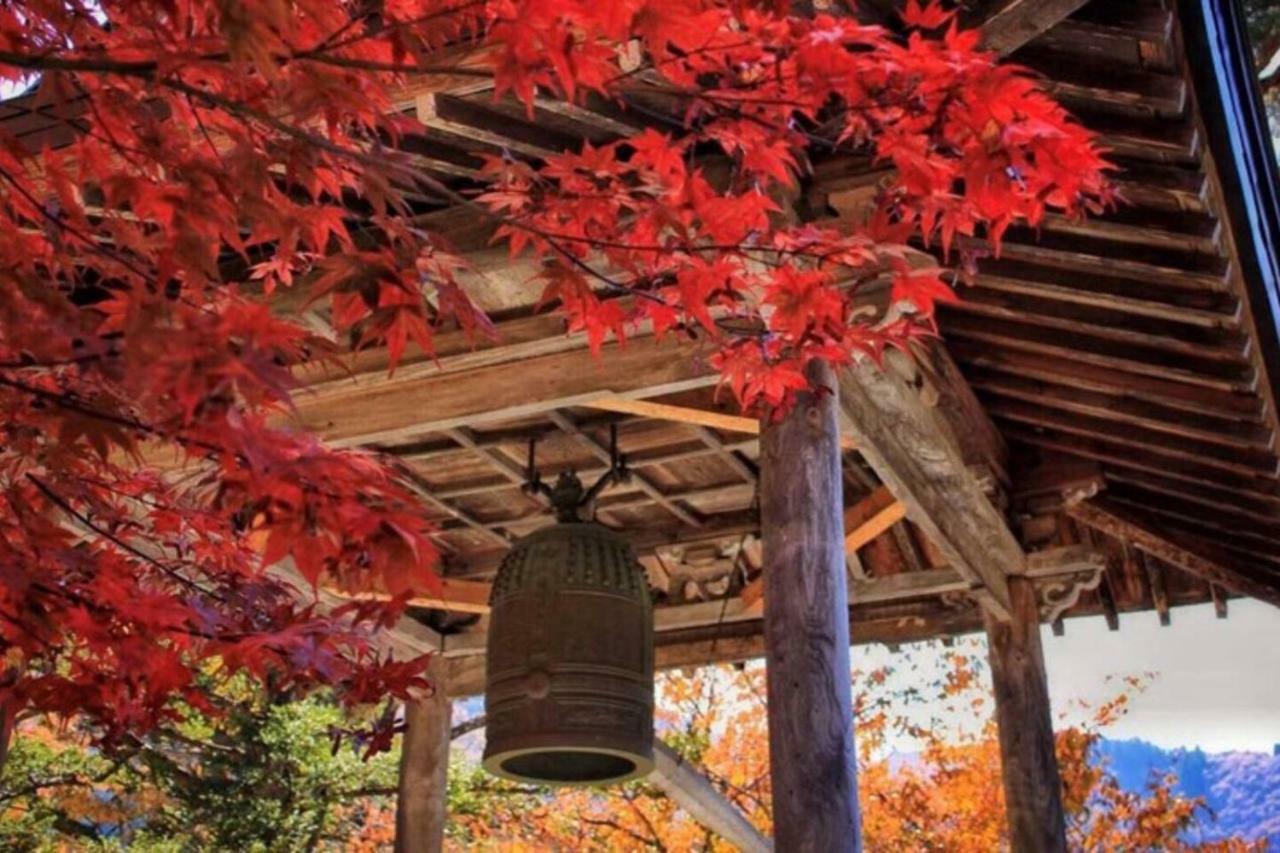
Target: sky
{"x": 1215, "y": 683}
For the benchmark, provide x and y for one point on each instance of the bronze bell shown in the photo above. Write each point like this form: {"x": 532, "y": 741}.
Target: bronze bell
{"x": 569, "y": 687}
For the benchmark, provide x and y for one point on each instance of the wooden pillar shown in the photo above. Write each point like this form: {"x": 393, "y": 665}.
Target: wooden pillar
{"x": 424, "y": 767}
{"x": 1032, "y": 786}
{"x": 806, "y": 627}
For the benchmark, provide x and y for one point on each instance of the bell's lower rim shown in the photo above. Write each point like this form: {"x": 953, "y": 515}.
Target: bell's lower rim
{"x": 508, "y": 762}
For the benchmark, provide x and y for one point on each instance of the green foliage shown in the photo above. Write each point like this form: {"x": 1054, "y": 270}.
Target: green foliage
{"x": 262, "y": 778}
{"x": 33, "y": 769}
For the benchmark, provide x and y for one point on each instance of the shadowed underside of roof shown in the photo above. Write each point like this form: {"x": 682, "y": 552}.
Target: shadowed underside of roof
{"x": 1127, "y": 363}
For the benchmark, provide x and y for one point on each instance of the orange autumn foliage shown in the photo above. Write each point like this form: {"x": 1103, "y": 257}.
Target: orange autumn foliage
{"x": 929, "y": 774}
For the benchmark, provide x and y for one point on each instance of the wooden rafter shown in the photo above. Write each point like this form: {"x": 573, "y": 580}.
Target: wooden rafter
{"x": 687, "y": 415}
{"x": 1009, "y": 24}
{"x": 1195, "y": 557}
{"x": 863, "y": 521}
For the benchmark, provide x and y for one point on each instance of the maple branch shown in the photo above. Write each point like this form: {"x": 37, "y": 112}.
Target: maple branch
{"x": 65, "y": 505}
{"x": 147, "y": 68}
{"x": 468, "y": 726}
{"x": 68, "y": 400}
{"x": 617, "y": 827}
{"x": 644, "y": 818}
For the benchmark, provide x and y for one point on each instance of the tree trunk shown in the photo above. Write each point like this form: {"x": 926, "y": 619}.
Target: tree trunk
{"x": 424, "y": 766}
{"x": 1032, "y": 786}
{"x": 806, "y": 627}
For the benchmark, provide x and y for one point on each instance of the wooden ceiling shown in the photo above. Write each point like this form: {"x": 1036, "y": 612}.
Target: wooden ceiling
{"x": 1133, "y": 445}
{"x": 1116, "y": 358}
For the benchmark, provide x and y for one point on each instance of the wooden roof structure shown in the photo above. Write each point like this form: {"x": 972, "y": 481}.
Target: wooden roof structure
{"x": 1094, "y": 434}
{"x": 1102, "y": 414}
{"x": 1108, "y": 385}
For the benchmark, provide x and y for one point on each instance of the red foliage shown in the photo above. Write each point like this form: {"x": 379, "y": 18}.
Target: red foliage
{"x": 218, "y": 151}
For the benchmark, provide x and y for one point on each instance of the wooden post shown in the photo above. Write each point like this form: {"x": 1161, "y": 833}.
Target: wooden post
{"x": 1032, "y": 786}
{"x": 806, "y": 627}
{"x": 424, "y": 768}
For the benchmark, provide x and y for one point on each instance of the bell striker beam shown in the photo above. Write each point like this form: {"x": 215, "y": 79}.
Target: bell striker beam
{"x": 424, "y": 766}
{"x": 806, "y": 626}
{"x": 1032, "y": 787}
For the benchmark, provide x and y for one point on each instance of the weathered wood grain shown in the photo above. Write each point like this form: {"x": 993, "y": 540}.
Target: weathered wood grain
{"x": 421, "y": 807}
{"x": 806, "y": 627}
{"x": 1197, "y": 558}
{"x": 1013, "y": 23}
{"x": 900, "y": 438}
{"x": 1029, "y": 768}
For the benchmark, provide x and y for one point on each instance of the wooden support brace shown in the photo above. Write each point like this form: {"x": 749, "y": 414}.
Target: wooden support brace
{"x": 863, "y": 521}
{"x": 870, "y": 517}
{"x": 1219, "y": 601}
{"x": 905, "y": 443}
{"x": 1159, "y": 591}
{"x": 694, "y": 793}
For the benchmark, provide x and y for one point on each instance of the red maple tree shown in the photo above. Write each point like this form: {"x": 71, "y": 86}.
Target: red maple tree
{"x": 217, "y": 152}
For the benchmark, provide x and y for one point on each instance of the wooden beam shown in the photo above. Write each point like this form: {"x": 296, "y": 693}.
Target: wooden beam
{"x": 694, "y": 793}
{"x": 1050, "y": 563}
{"x": 870, "y": 517}
{"x": 1159, "y": 590}
{"x": 408, "y": 638}
{"x": 863, "y": 521}
{"x": 1013, "y": 23}
{"x": 456, "y": 595}
{"x": 806, "y": 626}
{"x": 678, "y": 414}
{"x": 421, "y": 805}
{"x": 902, "y": 440}
{"x": 1032, "y": 786}
{"x": 1219, "y": 601}
{"x": 729, "y": 643}
{"x": 375, "y": 408}
{"x": 688, "y": 415}
{"x": 474, "y": 122}
{"x": 1192, "y": 556}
